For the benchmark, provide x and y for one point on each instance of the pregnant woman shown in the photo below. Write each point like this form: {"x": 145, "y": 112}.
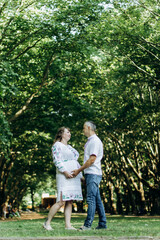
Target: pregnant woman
{"x": 65, "y": 158}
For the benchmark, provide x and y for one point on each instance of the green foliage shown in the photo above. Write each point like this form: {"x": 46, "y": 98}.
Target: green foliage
{"x": 62, "y": 64}
{"x": 5, "y": 133}
{"x": 42, "y": 85}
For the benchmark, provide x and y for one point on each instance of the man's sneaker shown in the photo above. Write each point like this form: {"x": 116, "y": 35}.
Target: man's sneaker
{"x": 100, "y": 227}
{"x": 83, "y": 228}
{"x": 47, "y": 227}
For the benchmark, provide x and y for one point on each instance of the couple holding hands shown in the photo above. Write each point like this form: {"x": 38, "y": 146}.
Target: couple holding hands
{"x": 69, "y": 176}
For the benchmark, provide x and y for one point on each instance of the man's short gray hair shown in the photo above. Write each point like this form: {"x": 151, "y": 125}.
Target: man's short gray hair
{"x": 91, "y": 124}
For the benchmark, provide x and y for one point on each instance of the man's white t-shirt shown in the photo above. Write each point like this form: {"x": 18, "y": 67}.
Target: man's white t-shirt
{"x": 93, "y": 146}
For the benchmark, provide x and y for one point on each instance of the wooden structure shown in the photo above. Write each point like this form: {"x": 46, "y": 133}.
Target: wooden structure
{"x": 48, "y": 201}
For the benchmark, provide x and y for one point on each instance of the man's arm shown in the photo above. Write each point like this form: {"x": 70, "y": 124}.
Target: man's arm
{"x": 87, "y": 164}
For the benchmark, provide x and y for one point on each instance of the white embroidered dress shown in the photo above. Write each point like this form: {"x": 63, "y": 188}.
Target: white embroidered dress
{"x": 65, "y": 159}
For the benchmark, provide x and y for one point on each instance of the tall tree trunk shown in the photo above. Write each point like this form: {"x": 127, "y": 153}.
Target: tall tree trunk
{"x": 119, "y": 203}
{"x": 5, "y": 169}
{"x": 111, "y": 198}
{"x": 32, "y": 198}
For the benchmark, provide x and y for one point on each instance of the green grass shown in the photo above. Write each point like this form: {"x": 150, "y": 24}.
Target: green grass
{"x": 118, "y": 226}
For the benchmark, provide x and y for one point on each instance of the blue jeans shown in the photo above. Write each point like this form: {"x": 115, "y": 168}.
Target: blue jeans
{"x": 94, "y": 200}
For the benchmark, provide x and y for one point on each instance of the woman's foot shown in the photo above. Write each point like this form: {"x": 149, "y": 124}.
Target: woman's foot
{"x": 70, "y": 228}
{"x": 47, "y": 227}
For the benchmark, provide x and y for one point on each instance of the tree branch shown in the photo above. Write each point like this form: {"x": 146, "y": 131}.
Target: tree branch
{"x": 148, "y": 51}
{"x": 28, "y": 5}
{"x": 141, "y": 69}
{"x": 25, "y": 50}
{"x": 155, "y": 45}
{"x": 45, "y": 73}
{"x": 12, "y": 18}
{"x": 21, "y": 41}
{"x": 126, "y": 161}
{"x": 153, "y": 13}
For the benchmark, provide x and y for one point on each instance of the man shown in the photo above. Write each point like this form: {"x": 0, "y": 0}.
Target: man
{"x": 93, "y": 154}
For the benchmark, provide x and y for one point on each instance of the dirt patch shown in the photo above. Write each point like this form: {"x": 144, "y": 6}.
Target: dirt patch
{"x": 28, "y": 215}
{"x": 31, "y": 215}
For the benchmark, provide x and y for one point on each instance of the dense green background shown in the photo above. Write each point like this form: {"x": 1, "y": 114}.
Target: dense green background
{"x": 63, "y": 62}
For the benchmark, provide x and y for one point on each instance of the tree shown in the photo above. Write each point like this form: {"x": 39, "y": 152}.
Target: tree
{"x": 64, "y": 64}
{"x": 41, "y": 45}
{"x": 131, "y": 52}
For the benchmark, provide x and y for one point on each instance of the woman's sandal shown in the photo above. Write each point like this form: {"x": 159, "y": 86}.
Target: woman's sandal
{"x": 47, "y": 227}
{"x": 70, "y": 228}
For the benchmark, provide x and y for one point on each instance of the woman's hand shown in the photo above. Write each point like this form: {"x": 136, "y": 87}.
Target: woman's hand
{"x": 67, "y": 174}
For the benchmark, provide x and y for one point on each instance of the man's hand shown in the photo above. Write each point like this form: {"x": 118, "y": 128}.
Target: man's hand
{"x": 67, "y": 174}
{"x": 75, "y": 172}
{"x": 87, "y": 164}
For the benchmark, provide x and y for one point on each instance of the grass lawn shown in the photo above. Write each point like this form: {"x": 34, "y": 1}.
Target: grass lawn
{"x": 118, "y": 226}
